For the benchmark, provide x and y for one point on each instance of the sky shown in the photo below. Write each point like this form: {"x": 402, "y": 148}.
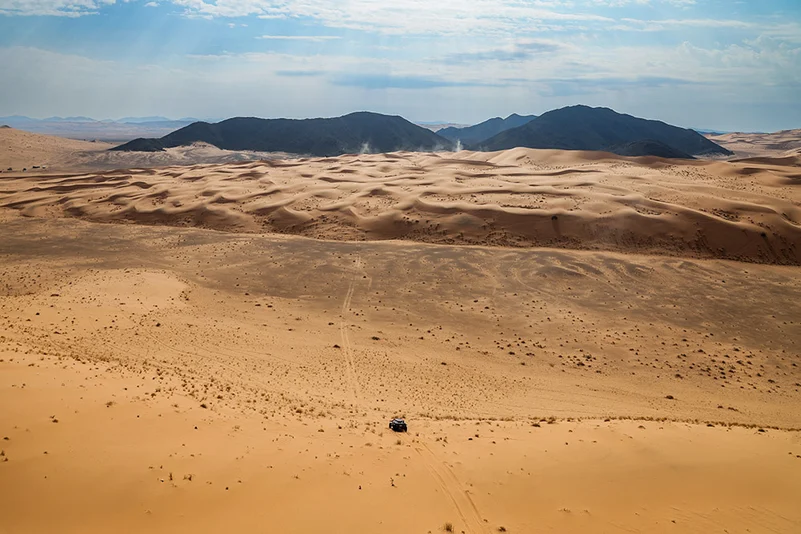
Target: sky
{"x": 719, "y": 64}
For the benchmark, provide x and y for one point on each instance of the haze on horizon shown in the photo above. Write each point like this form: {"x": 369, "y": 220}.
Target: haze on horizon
{"x": 698, "y": 63}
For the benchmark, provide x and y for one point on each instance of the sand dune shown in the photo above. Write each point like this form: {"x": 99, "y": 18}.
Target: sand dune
{"x": 190, "y": 369}
{"x": 47, "y": 153}
{"x": 167, "y": 379}
{"x": 24, "y": 150}
{"x": 745, "y": 210}
{"x": 784, "y": 143}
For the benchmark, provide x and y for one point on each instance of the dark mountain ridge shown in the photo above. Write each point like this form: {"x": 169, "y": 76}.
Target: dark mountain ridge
{"x": 477, "y": 133}
{"x": 353, "y": 133}
{"x": 571, "y": 128}
{"x": 586, "y": 128}
{"x": 648, "y": 147}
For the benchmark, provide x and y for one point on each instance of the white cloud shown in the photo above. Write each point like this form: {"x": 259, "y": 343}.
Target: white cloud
{"x": 786, "y": 31}
{"x": 61, "y": 8}
{"x": 476, "y": 18}
{"x": 624, "y": 3}
{"x": 660, "y": 25}
{"x": 402, "y": 17}
{"x": 316, "y": 38}
{"x": 659, "y": 82}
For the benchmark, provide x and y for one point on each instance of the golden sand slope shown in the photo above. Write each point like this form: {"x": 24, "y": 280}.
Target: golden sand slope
{"x": 744, "y": 211}
{"x": 164, "y": 378}
{"x": 119, "y": 460}
{"x": 744, "y": 145}
{"x": 24, "y": 150}
{"x": 174, "y": 379}
{"x": 20, "y": 149}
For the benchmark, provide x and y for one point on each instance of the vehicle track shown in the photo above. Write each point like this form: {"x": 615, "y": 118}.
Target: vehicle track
{"x": 347, "y": 348}
{"x": 461, "y": 499}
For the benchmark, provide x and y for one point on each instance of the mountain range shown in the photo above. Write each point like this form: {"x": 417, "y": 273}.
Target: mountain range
{"x": 570, "y": 128}
{"x": 15, "y": 120}
{"x": 353, "y": 133}
{"x": 586, "y": 128}
{"x": 479, "y": 132}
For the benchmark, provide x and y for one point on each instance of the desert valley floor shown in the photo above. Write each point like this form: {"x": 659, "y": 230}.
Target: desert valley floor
{"x": 579, "y": 343}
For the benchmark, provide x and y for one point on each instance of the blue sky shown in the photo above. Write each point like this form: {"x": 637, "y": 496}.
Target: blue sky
{"x": 729, "y": 65}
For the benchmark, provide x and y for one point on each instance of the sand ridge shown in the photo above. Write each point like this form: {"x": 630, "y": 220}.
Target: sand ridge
{"x": 22, "y": 151}
{"x": 746, "y": 210}
{"x": 227, "y": 355}
{"x": 777, "y": 144}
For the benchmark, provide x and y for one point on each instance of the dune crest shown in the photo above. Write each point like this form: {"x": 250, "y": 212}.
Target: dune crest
{"x": 746, "y": 210}
{"x": 776, "y": 144}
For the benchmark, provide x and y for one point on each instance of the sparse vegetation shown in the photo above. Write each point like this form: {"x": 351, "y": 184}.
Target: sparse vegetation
{"x": 281, "y": 386}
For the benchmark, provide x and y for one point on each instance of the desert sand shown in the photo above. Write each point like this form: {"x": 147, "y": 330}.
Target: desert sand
{"x": 24, "y": 150}
{"x": 776, "y": 144}
{"x": 747, "y": 210}
{"x": 36, "y": 153}
{"x": 575, "y": 348}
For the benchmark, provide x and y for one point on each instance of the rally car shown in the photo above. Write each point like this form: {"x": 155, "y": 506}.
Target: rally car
{"x": 398, "y": 425}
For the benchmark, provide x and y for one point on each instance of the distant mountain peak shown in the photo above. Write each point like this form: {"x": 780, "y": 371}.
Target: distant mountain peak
{"x": 361, "y": 131}
{"x": 477, "y": 133}
{"x": 69, "y": 119}
{"x": 582, "y": 127}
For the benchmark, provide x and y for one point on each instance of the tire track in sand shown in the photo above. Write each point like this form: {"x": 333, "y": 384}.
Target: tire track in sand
{"x": 353, "y": 381}
{"x": 446, "y": 479}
